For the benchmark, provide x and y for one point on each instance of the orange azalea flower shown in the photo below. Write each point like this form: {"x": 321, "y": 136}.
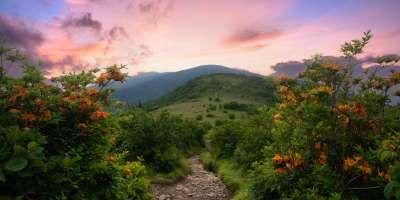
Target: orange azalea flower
{"x": 283, "y": 89}
{"x": 39, "y": 102}
{"x": 365, "y": 168}
{"x": 98, "y": 115}
{"x": 91, "y": 91}
{"x": 277, "y": 117}
{"x": 343, "y": 108}
{"x": 389, "y": 146}
{"x": 82, "y": 126}
{"x": 286, "y": 158}
{"x": 20, "y": 91}
{"x": 394, "y": 78}
{"x": 298, "y": 161}
{"x": 110, "y": 158}
{"x": 13, "y": 110}
{"x": 277, "y": 159}
{"x": 358, "y": 109}
{"x": 280, "y": 170}
{"x": 45, "y": 115}
{"x": 322, "y": 158}
{"x": 28, "y": 117}
{"x": 332, "y": 66}
{"x": 102, "y": 79}
{"x": 85, "y": 103}
{"x": 283, "y": 78}
{"x": 318, "y": 146}
{"x": 348, "y": 163}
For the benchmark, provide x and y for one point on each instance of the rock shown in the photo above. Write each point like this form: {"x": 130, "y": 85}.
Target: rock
{"x": 186, "y": 190}
{"x": 164, "y": 197}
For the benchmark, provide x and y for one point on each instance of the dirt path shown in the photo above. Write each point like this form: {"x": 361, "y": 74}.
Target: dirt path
{"x": 199, "y": 185}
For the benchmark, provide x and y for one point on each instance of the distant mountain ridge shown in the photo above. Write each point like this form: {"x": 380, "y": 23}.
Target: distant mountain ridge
{"x": 151, "y": 86}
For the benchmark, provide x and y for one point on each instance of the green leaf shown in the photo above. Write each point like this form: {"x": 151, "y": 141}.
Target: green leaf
{"x": 32, "y": 145}
{"x": 16, "y": 164}
{"x": 2, "y": 177}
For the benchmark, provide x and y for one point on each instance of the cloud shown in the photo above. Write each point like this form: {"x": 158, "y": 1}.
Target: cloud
{"x": 142, "y": 53}
{"x": 16, "y": 33}
{"x": 251, "y": 36}
{"x": 84, "y": 21}
{"x": 117, "y": 32}
{"x": 155, "y": 10}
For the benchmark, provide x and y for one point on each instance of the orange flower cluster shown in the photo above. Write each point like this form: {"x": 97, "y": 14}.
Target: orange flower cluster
{"x": 287, "y": 93}
{"x": 287, "y": 162}
{"x": 19, "y": 93}
{"x": 82, "y": 127}
{"x": 28, "y": 117}
{"x": 42, "y": 112}
{"x": 98, "y": 115}
{"x": 110, "y": 158}
{"x": 332, "y": 66}
{"x": 113, "y": 73}
{"x": 354, "y": 107}
{"x": 283, "y": 78}
{"x": 277, "y": 118}
{"x": 322, "y": 89}
{"x": 357, "y": 163}
{"x": 103, "y": 79}
{"x": 384, "y": 175}
{"x": 322, "y": 156}
{"x": 394, "y": 79}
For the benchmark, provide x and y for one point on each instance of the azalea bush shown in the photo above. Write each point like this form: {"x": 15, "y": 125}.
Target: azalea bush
{"x": 56, "y": 138}
{"x": 335, "y": 135}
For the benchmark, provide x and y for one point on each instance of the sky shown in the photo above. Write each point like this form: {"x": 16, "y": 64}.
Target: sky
{"x": 171, "y": 35}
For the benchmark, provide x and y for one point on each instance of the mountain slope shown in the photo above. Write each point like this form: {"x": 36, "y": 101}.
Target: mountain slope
{"x": 140, "y": 78}
{"x": 167, "y": 82}
{"x": 218, "y": 96}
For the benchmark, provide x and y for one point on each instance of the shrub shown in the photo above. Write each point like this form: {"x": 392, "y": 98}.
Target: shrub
{"x": 160, "y": 140}
{"x": 333, "y": 133}
{"x": 56, "y": 140}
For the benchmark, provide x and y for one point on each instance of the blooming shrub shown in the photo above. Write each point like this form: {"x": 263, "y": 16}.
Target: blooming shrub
{"x": 56, "y": 139}
{"x": 334, "y": 134}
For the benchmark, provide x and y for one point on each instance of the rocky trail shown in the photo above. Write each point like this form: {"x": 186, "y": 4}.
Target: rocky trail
{"x": 198, "y": 185}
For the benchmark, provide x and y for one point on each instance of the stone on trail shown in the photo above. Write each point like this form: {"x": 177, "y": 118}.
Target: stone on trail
{"x": 199, "y": 185}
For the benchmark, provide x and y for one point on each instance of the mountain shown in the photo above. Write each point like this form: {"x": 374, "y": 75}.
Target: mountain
{"x": 137, "y": 79}
{"x": 161, "y": 84}
{"x": 218, "y": 96}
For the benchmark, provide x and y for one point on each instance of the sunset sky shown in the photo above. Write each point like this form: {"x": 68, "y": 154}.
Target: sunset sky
{"x": 171, "y": 35}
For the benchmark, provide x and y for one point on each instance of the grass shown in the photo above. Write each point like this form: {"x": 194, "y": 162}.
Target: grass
{"x": 171, "y": 177}
{"x": 194, "y": 108}
{"x": 230, "y": 174}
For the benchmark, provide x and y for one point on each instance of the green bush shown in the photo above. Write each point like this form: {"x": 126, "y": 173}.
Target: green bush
{"x": 56, "y": 140}
{"x": 159, "y": 140}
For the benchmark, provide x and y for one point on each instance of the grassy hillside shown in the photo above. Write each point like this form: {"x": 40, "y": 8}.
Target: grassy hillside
{"x": 218, "y": 96}
{"x": 167, "y": 82}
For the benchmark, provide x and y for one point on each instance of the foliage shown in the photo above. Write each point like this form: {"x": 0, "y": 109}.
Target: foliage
{"x": 56, "y": 140}
{"x": 332, "y": 135}
{"x": 160, "y": 140}
{"x": 328, "y": 132}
